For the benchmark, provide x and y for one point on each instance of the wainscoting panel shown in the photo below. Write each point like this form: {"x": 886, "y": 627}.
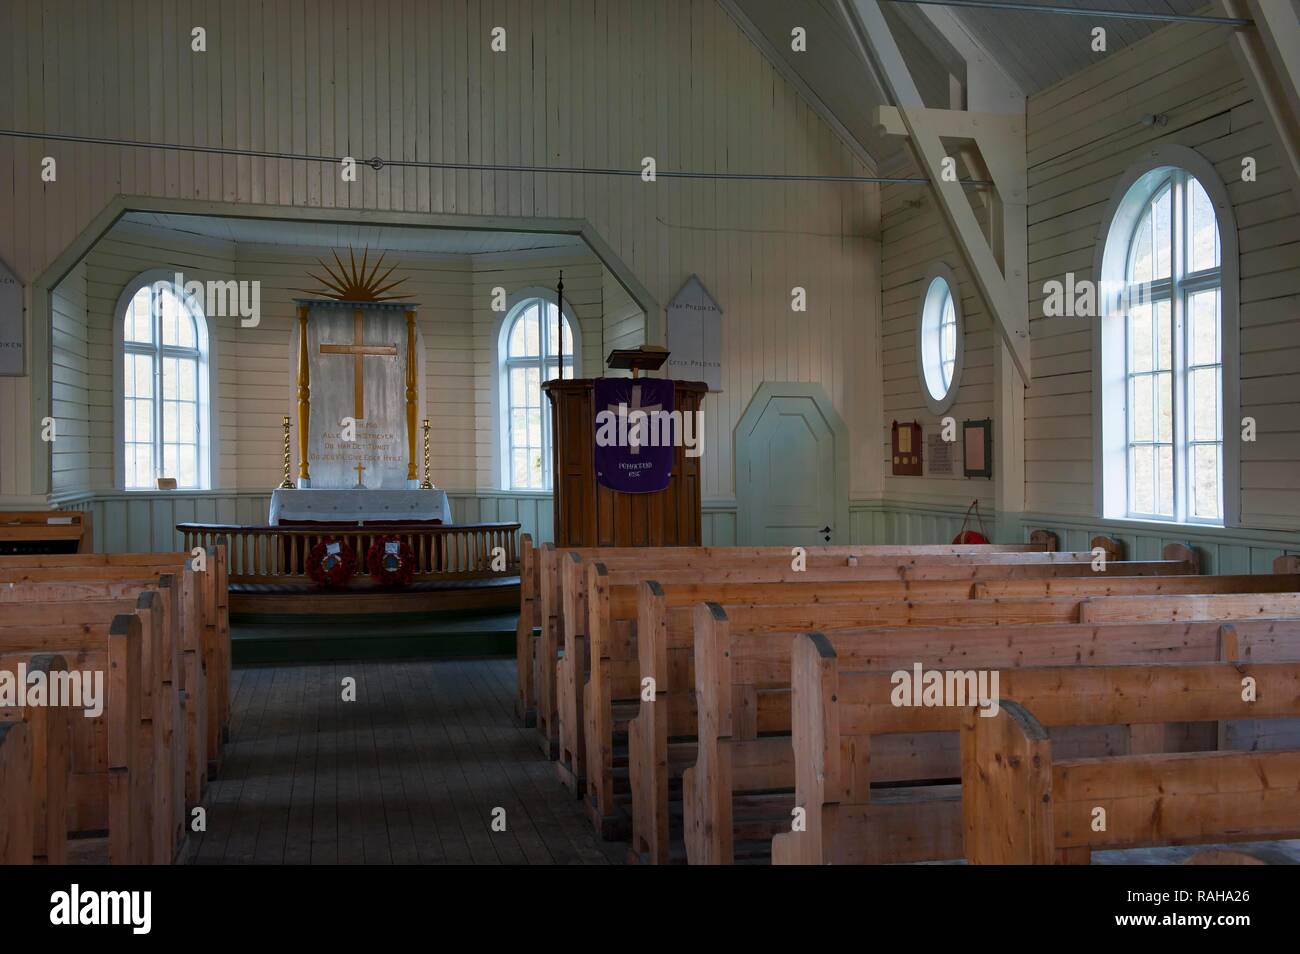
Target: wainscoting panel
{"x": 886, "y": 523}
{"x": 718, "y": 523}
{"x": 1222, "y": 550}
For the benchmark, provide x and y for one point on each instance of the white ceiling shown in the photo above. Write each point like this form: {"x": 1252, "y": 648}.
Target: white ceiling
{"x": 1034, "y": 49}
{"x": 1039, "y": 49}
{"x": 328, "y": 235}
{"x": 835, "y": 77}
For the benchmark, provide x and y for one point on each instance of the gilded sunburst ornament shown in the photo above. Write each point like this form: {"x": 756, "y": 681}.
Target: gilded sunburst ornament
{"x": 354, "y": 282}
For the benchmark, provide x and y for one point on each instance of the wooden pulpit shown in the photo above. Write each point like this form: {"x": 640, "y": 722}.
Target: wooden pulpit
{"x": 589, "y": 514}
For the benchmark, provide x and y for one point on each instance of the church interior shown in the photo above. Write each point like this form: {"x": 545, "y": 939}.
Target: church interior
{"x": 599, "y": 432}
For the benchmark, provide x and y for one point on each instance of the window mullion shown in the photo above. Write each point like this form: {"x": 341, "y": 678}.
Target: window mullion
{"x": 155, "y": 303}
{"x": 1178, "y": 316}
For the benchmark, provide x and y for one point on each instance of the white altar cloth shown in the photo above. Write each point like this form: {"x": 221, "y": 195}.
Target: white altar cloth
{"x": 358, "y": 505}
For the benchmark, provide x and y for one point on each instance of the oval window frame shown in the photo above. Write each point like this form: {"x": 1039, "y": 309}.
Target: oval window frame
{"x": 925, "y": 319}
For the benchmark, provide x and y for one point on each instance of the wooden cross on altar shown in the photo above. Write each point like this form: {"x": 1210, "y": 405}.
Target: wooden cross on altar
{"x": 359, "y": 351}
{"x": 361, "y": 468}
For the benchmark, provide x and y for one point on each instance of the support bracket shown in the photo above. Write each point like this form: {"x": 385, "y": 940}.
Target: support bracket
{"x": 999, "y": 268}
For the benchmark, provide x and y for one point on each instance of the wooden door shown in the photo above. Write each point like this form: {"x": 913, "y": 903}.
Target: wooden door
{"x": 787, "y": 475}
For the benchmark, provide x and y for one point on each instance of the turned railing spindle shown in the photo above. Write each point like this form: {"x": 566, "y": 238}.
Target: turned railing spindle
{"x": 267, "y": 554}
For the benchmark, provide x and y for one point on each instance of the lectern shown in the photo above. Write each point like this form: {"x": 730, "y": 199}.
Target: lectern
{"x": 589, "y": 514}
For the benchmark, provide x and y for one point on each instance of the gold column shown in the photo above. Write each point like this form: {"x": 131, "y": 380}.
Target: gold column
{"x": 412, "y": 384}
{"x": 304, "y": 396}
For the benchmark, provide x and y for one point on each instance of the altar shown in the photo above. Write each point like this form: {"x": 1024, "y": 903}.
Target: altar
{"x": 362, "y": 532}
{"x": 359, "y": 506}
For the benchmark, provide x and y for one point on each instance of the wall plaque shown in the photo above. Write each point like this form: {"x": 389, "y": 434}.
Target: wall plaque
{"x": 905, "y": 449}
{"x": 938, "y": 455}
{"x": 12, "y": 338}
{"x": 977, "y": 437}
{"x": 695, "y": 336}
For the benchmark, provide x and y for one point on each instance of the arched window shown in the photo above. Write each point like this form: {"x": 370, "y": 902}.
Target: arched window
{"x": 938, "y": 346}
{"x": 164, "y": 394}
{"x": 536, "y": 346}
{"x": 1164, "y": 293}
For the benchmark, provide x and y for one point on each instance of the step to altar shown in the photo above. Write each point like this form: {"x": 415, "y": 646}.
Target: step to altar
{"x": 275, "y": 638}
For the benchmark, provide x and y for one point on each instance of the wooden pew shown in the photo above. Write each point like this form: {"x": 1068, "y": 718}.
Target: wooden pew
{"x": 152, "y": 785}
{"x": 206, "y": 679}
{"x": 185, "y": 709}
{"x": 16, "y": 811}
{"x": 1107, "y": 585}
{"x": 214, "y": 602}
{"x": 49, "y": 731}
{"x": 550, "y": 628}
{"x": 742, "y": 678}
{"x": 43, "y": 531}
{"x": 617, "y": 661}
{"x": 170, "y": 757}
{"x": 105, "y": 789}
{"x": 571, "y": 681}
{"x": 839, "y": 716}
{"x": 1020, "y": 805}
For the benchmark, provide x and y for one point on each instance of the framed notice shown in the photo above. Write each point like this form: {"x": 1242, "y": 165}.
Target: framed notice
{"x": 938, "y": 455}
{"x": 905, "y": 449}
{"x": 977, "y": 443}
{"x": 12, "y": 339}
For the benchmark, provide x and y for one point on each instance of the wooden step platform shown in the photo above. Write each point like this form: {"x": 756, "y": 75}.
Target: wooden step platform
{"x": 363, "y": 597}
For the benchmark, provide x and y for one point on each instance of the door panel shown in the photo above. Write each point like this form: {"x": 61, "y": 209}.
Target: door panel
{"x": 791, "y": 475}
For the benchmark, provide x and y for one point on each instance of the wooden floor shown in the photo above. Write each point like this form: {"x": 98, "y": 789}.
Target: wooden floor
{"x": 409, "y": 773}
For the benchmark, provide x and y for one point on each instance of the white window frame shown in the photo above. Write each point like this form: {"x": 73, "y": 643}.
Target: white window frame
{"x": 202, "y": 353}
{"x": 1111, "y": 419}
{"x": 929, "y": 335}
{"x": 515, "y": 306}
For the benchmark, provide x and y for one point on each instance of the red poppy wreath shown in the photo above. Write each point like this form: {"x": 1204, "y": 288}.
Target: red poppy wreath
{"x": 331, "y": 563}
{"x": 391, "y": 562}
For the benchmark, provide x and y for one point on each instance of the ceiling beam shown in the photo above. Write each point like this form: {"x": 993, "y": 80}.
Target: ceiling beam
{"x": 990, "y": 88}
{"x": 1269, "y": 56}
{"x": 1074, "y": 11}
{"x": 1005, "y": 293}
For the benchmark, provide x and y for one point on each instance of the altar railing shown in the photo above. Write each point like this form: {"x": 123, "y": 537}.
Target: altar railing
{"x": 275, "y": 554}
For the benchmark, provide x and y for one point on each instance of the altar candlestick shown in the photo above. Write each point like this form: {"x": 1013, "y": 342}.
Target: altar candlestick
{"x": 287, "y": 483}
{"x": 426, "y": 484}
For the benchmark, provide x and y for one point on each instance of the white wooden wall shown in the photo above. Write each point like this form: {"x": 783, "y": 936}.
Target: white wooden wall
{"x": 584, "y": 82}
{"x": 72, "y": 384}
{"x": 114, "y": 262}
{"x": 916, "y": 239}
{"x": 255, "y": 380}
{"x": 1083, "y": 134}
{"x": 584, "y": 281}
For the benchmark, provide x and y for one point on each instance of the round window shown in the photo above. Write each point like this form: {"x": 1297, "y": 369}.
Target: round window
{"x": 938, "y": 351}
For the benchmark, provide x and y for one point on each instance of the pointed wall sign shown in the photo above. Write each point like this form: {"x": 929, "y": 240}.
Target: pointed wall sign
{"x": 695, "y": 335}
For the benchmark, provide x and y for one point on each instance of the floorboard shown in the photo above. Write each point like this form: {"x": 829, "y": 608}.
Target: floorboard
{"x": 410, "y": 772}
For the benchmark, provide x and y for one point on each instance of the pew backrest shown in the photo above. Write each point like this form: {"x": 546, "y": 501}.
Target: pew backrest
{"x": 49, "y": 730}
{"x": 837, "y": 714}
{"x": 116, "y": 648}
{"x": 16, "y": 810}
{"x": 67, "y": 529}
